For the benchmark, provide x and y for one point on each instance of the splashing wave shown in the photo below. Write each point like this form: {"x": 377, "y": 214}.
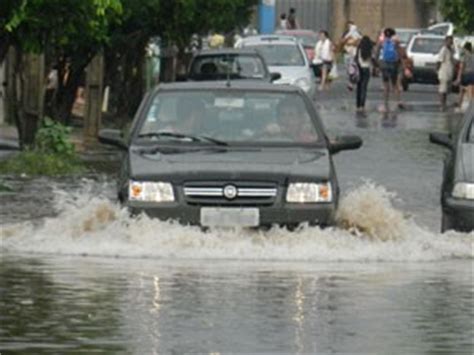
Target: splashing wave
{"x": 369, "y": 229}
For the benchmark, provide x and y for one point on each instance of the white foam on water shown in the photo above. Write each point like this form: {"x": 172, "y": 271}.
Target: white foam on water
{"x": 370, "y": 229}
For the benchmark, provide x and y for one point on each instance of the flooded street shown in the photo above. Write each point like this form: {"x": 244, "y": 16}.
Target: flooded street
{"x": 78, "y": 274}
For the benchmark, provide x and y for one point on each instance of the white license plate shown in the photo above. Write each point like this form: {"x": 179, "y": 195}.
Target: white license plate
{"x": 230, "y": 217}
{"x": 430, "y": 65}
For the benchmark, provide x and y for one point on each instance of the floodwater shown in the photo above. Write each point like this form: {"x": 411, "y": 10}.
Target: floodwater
{"x": 77, "y": 274}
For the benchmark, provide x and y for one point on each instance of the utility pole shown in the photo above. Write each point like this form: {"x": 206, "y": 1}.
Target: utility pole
{"x": 93, "y": 106}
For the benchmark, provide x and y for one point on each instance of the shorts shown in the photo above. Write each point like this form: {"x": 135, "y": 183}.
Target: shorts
{"x": 444, "y": 86}
{"x": 390, "y": 72}
{"x": 317, "y": 68}
{"x": 467, "y": 79}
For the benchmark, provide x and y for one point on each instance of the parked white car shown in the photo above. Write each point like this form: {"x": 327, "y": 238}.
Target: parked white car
{"x": 422, "y": 51}
{"x": 284, "y": 55}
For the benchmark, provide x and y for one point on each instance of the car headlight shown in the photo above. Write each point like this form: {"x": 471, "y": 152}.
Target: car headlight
{"x": 150, "y": 191}
{"x": 303, "y": 83}
{"x": 464, "y": 190}
{"x": 309, "y": 192}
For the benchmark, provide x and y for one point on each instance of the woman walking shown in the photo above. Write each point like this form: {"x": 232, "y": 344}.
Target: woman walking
{"x": 364, "y": 62}
{"x": 323, "y": 57}
{"x": 465, "y": 75}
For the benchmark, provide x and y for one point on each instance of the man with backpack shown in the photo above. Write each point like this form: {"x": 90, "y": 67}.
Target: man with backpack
{"x": 389, "y": 53}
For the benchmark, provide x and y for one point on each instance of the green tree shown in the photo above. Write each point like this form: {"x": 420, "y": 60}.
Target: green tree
{"x": 460, "y": 12}
{"x": 69, "y": 31}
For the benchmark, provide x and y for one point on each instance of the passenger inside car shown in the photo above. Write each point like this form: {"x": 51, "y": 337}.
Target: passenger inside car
{"x": 292, "y": 123}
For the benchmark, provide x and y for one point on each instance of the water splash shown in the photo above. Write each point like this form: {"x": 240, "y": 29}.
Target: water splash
{"x": 370, "y": 229}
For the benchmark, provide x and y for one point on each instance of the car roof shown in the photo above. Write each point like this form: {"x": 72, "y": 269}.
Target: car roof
{"x": 248, "y": 85}
{"x": 296, "y": 32}
{"x": 406, "y": 29}
{"x": 429, "y": 36}
{"x": 274, "y": 39}
{"x": 224, "y": 51}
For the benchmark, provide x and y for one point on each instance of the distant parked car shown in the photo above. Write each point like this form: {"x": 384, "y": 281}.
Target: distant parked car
{"x": 422, "y": 52}
{"x": 285, "y": 55}
{"x": 457, "y": 189}
{"x": 229, "y": 63}
{"x": 239, "y": 153}
{"x": 404, "y": 35}
{"x": 440, "y": 29}
{"x": 308, "y": 39}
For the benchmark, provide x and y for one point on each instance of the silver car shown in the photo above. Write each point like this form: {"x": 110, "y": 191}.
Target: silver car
{"x": 285, "y": 55}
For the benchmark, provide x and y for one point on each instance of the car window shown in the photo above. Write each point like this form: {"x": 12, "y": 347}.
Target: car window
{"x": 405, "y": 36}
{"x": 280, "y": 54}
{"x": 308, "y": 40}
{"x": 470, "y": 136}
{"x": 213, "y": 67}
{"x": 427, "y": 45}
{"x": 236, "y": 116}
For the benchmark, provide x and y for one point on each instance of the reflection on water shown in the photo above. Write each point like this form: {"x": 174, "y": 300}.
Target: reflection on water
{"x": 118, "y": 305}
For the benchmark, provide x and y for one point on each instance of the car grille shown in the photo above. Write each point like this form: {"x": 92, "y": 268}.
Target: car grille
{"x": 230, "y": 193}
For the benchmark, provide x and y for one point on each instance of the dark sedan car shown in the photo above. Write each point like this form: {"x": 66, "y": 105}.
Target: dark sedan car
{"x": 237, "y": 153}
{"x": 219, "y": 64}
{"x": 457, "y": 190}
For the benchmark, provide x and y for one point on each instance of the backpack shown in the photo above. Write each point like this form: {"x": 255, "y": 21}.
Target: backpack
{"x": 389, "y": 51}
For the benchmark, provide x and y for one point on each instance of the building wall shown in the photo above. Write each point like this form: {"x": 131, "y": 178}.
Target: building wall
{"x": 373, "y": 15}
{"x": 311, "y": 14}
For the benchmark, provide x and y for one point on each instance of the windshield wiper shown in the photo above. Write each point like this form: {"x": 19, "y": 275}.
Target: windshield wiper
{"x": 183, "y": 136}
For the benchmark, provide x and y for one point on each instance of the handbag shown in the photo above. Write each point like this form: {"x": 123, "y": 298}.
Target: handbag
{"x": 353, "y": 71}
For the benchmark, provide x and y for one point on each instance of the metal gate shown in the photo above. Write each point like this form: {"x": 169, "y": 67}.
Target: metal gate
{"x": 311, "y": 14}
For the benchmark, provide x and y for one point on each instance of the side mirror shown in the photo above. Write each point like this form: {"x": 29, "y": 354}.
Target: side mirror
{"x": 275, "y": 77}
{"x": 344, "y": 143}
{"x": 112, "y": 137}
{"x": 442, "y": 139}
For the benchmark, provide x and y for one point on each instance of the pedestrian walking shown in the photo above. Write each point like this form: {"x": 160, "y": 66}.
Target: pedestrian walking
{"x": 283, "y": 22}
{"x": 446, "y": 69}
{"x": 364, "y": 62}
{"x": 349, "y": 42}
{"x": 323, "y": 58}
{"x": 465, "y": 75}
{"x": 52, "y": 84}
{"x": 292, "y": 22}
{"x": 389, "y": 54}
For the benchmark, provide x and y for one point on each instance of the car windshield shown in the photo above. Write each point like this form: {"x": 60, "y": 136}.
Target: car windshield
{"x": 229, "y": 117}
{"x": 280, "y": 54}
{"x": 427, "y": 45}
{"x": 307, "y": 40}
{"x": 405, "y": 36}
{"x": 215, "y": 67}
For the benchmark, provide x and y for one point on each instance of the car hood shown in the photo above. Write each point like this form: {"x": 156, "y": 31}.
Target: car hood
{"x": 465, "y": 162}
{"x": 290, "y": 74}
{"x": 266, "y": 164}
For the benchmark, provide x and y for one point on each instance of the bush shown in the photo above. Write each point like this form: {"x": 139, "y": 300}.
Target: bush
{"x": 31, "y": 162}
{"x": 53, "y": 154}
{"x": 53, "y": 138}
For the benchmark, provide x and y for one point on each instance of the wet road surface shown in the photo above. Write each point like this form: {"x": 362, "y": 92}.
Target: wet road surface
{"x": 78, "y": 274}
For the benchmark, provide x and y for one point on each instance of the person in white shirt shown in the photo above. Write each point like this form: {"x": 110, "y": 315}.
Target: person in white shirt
{"x": 446, "y": 70}
{"x": 323, "y": 57}
{"x": 283, "y": 23}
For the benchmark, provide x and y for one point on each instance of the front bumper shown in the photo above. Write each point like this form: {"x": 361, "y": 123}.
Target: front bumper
{"x": 278, "y": 214}
{"x": 424, "y": 75}
{"x": 461, "y": 213}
